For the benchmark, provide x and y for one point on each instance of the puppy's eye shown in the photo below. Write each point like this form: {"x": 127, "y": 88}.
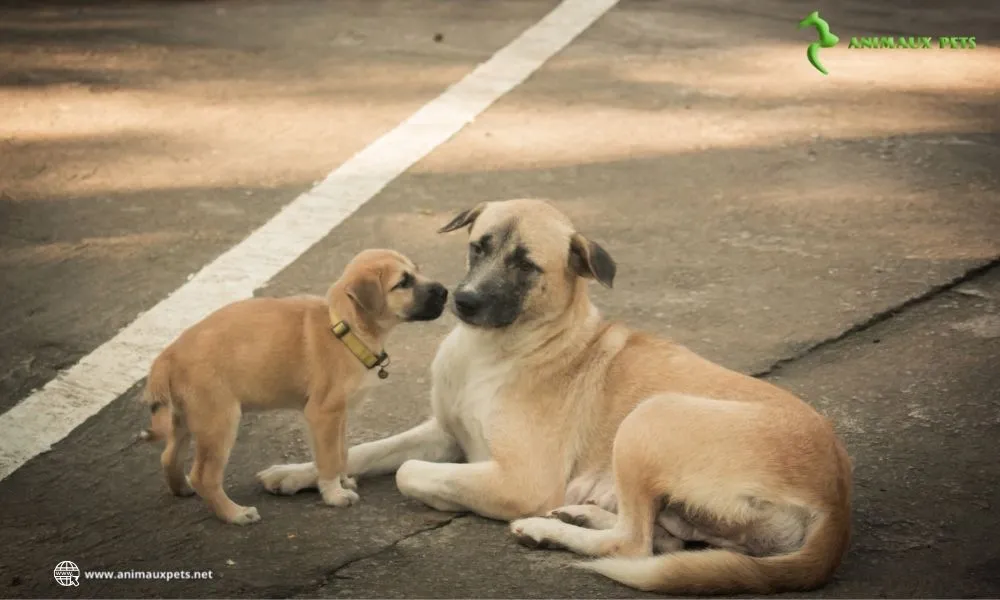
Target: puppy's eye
{"x": 405, "y": 282}
{"x": 475, "y": 249}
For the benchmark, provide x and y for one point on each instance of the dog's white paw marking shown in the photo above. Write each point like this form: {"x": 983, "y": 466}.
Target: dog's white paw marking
{"x": 349, "y": 482}
{"x": 286, "y": 479}
{"x": 246, "y": 516}
{"x": 340, "y": 497}
{"x": 534, "y": 532}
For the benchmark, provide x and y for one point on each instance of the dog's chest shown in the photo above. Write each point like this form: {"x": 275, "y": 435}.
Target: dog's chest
{"x": 475, "y": 406}
{"x": 467, "y": 393}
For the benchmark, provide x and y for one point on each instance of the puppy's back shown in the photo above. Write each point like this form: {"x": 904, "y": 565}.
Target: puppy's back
{"x": 253, "y": 348}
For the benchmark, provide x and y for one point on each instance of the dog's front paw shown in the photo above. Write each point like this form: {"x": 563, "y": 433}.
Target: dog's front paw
{"x": 348, "y": 482}
{"x": 534, "y": 533}
{"x": 288, "y": 480}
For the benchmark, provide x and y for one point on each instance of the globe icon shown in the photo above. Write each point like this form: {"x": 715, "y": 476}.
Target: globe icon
{"x": 67, "y": 574}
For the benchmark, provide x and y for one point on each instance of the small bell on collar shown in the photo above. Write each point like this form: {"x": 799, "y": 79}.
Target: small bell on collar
{"x": 382, "y": 373}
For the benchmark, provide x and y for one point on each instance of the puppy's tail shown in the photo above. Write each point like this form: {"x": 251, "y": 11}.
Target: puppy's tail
{"x": 158, "y": 398}
{"x": 702, "y": 572}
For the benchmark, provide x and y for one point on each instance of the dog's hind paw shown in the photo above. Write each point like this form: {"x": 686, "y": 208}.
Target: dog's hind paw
{"x": 532, "y": 533}
{"x": 588, "y": 516}
{"x": 568, "y": 517}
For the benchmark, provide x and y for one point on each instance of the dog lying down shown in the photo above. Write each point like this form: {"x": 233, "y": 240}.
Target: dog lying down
{"x": 607, "y": 440}
{"x": 317, "y": 354}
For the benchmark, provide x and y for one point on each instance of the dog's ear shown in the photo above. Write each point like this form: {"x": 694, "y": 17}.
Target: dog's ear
{"x": 464, "y": 219}
{"x": 589, "y": 259}
{"x": 367, "y": 293}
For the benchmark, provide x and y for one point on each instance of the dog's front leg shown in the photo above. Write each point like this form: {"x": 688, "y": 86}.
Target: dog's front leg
{"x": 482, "y": 487}
{"x": 328, "y": 432}
{"x": 427, "y": 441}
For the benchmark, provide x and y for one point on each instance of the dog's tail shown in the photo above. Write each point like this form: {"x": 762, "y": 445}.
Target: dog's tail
{"x": 719, "y": 571}
{"x": 158, "y": 398}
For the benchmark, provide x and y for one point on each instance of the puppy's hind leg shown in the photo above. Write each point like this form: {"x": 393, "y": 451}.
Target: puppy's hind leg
{"x": 172, "y": 458}
{"x": 213, "y": 441}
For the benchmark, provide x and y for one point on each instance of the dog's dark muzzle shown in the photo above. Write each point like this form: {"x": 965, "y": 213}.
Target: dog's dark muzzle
{"x": 468, "y": 305}
{"x": 485, "y": 309}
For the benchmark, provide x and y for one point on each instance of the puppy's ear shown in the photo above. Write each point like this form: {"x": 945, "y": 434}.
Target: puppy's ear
{"x": 589, "y": 259}
{"x": 464, "y": 219}
{"x": 368, "y": 295}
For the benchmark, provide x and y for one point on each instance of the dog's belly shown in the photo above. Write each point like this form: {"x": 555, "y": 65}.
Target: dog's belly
{"x": 595, "y": 487}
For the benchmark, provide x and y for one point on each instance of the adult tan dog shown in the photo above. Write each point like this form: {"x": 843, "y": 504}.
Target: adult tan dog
{"x": 315, "y": 354}
{"x": 565, "y": 418}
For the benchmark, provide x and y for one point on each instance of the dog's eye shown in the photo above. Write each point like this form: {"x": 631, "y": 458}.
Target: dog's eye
{"x": 475, "y": 249}
{"x": 526, "y": 266}
{"x": 405, "y": 282}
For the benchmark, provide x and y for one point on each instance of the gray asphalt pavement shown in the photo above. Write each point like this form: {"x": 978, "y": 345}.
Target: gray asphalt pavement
{"x": 839, "y": 236}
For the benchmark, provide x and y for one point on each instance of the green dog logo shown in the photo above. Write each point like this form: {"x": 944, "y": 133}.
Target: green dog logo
{"x": 826, "y": 39}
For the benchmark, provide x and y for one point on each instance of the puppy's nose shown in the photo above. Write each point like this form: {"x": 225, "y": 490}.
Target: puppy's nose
{"x": 439, "y": 291}
{"x": 468, "y": 303}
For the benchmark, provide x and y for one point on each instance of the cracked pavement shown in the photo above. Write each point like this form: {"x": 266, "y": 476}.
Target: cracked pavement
{"x": 838, "y": 236}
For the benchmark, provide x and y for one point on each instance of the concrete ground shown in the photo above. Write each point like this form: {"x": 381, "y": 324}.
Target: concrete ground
{"x": 837, "y": 235}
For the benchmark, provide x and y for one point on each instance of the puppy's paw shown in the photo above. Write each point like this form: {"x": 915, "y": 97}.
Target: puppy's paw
{"x": 340, "y": 497}
{"x": 349, "y": 482}
{"x": 287, "y": 480}
{"x": 534, "y": 533}
{"x": 245, "y": 516}
{"x": 183, "y": 489}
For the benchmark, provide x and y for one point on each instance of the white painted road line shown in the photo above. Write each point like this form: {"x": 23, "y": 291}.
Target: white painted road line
{"x": 78, "y": 393}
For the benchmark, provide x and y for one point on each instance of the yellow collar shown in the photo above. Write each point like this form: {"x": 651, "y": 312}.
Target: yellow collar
{"x": 369, "y": 359}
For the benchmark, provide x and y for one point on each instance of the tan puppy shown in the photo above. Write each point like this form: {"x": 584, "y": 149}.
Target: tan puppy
{"x": 630, "y": 444}
{"x": 307, "y": 352}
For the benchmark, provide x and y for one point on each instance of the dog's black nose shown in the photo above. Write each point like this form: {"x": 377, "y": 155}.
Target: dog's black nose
{"x": 439, "y": 292}
{"x": 468, "y": 303}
